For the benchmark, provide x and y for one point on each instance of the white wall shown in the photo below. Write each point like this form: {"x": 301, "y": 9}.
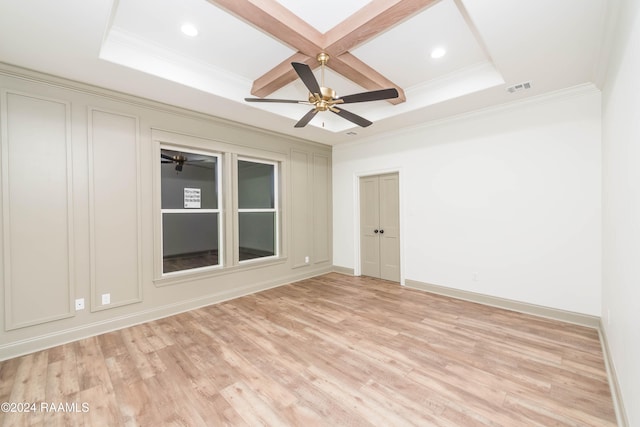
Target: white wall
{"x": 621, "y": 207}
{"x": 513, "y": 195}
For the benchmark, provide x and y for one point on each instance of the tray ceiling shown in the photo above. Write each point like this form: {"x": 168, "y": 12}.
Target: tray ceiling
{"x": 246, "y": 46}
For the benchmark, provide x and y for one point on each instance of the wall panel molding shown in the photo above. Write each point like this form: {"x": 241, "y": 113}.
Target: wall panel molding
{"x": 115, "y": 220}
{"x": 321, "y": 208}
{"x": 37, "y": 209}
{"x": 301, "y": 211}
{"x": 76, "y": 124}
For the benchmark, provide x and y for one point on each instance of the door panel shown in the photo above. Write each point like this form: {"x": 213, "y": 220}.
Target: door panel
{"x": 390, "y": 225}
{"x": 369, "y": 219}
{"x": 379, "y": 227}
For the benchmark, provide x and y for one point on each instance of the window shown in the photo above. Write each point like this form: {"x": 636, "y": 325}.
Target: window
{"x": 190, "y": 210}
{"x": 220, "y": 208}
{"x": 257, "y": 209}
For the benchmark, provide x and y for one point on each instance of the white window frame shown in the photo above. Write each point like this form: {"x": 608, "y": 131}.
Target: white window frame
{"x": 275, "y": 209}
{"x": 219, "y": 211}
{"x": 228, "y": 202}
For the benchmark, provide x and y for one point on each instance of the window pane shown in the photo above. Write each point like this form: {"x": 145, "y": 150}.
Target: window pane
{"x": 194, "y": 172}
{"x": 257, "y": 232}
{"x": 256, "y": 189}
{"x": 189, "y": 240}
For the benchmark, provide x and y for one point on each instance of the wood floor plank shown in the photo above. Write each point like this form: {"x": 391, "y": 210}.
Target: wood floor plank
{"x": 420, "y": 412}
{"x": 328, "y": 351}
{"x": 111, "y": 344}
{"x": 350, "y": 394}
{"x": 92, "y": 369}
{"x": 62, "y": 381}
{"x": 136, "y": 404}
{"x": 145, "y": 360}
{"x": 250, "y": 405}
{"x": 8, "y": 374}
{"x": 103, "y": 409}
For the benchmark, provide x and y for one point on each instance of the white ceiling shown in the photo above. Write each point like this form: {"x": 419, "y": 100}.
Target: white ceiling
{"x": 136, "y": 46}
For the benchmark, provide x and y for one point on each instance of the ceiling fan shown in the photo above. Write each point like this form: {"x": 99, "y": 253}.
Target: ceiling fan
{"x": 180, "y": 160}
{"x": 324, "y": 98}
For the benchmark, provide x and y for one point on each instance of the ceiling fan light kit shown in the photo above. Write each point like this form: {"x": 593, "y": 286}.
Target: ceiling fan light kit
{"x": 324, "y": 98}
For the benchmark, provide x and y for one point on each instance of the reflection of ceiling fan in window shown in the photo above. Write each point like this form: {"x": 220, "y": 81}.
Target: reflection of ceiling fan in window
{"x": 180, "y": 160}
{"x": 323, "y": 98}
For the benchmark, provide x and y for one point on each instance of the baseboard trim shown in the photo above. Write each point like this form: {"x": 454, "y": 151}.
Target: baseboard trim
{"x": 616, "y": 392}
{"x": 343, "y": 270}
{"x": 522, "y": 307}
{"x": 42, "y": 342}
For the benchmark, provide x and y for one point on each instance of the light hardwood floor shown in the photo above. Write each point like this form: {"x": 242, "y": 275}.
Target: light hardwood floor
{"x": 329, "y": 351}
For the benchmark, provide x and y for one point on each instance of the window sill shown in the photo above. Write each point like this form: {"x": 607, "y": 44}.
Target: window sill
{"x": 187, "y": 276}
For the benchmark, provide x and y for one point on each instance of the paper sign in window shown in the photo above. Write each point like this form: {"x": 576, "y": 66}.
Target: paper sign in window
{"x": 192, "y": 198}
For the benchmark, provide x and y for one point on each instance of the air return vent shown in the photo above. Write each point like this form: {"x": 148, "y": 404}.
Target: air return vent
{"x": 519, "y": 87}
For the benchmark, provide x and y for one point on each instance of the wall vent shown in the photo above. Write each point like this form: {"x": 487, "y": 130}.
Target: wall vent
{"x": 519, "y": 87}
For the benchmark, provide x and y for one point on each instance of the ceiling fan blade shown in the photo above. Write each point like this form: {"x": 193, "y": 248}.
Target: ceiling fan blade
{"x": 306, "y": 119}
{"x": 167, "y": 157}
{"x": 286, "y": 101}
{"x": 307, "y": 77}
{"x": 354, "y": 118}
{"x": 374, "y": 95}
{"x": 202, "y": 166}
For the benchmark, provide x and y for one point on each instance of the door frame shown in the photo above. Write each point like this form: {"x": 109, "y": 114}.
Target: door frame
{"x": 357, "y": 270}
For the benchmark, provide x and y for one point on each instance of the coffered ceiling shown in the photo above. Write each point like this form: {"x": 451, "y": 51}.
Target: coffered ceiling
{"x": 244, "y": 48}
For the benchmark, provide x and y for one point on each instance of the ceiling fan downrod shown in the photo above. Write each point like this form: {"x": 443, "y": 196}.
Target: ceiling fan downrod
{"x": 326, "y": 98}
{"x": 322, "y": 58}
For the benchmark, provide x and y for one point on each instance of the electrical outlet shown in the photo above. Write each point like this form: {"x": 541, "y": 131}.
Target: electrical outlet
{"x": 106, "y": 299}
{"x": 306, "y": 259}
{"x": 80, "y": 304}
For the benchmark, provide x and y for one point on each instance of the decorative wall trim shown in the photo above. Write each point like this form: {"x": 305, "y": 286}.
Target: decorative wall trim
{"x": 178, "y": 124}
{"x": 108, "y": 94}
{"x": 5, "y": 221}
{"x": 343, "y": 270}
{"x": 321, "y": 251}
{"x": 19, "y": 348}
{"x": 522, "y": 307}
{"x": 92, "y": 209}
{"x": 301, "y": 224}
{"x": 614, "y": 385}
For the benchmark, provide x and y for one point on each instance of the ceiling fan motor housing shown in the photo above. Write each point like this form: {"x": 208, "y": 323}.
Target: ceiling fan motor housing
{"x": 325, "y": 100}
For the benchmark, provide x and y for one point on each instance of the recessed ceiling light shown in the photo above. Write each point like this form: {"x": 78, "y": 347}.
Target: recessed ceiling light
{"x": 189, "y": 30}
{"x": 438, "y": 52}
